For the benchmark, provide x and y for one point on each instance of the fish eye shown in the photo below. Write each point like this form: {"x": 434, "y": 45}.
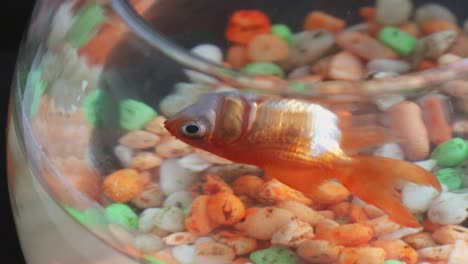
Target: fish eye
{"x": 193, "y": 130}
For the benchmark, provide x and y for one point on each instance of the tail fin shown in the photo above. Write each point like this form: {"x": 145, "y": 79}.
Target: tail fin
{"x": 355, "y": 139}
{"x": 374, "y": 179}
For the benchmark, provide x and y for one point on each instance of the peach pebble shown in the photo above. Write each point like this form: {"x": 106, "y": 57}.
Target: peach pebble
{"x": 331, "y": 192}
{"x": 361, "y": 255}
{"x": 124, "y": 185}
{"x": 345, "y": 66}
{"x": 302, "y": 211}
{"x": 198, "y": 221}
{"x": 348, "y": 235}
{"x": 357, "y": 214}
{"x": 398, "y": 250}
{"x": 240, "y": 242}
{"x": 145, "y": 161}
{"x": 436, "y": 252}
{"x": 420, "y": 240}
{"x": 406, "y": 120}
{"x": 225, "y": 208}
{"x": 382, "y": 225}
{"x": 237, "y": 56}
{"x": 364, "y": 46}
{"x": 139, "y": 139}
{"x": 267, "y": 48}
{"x": 434, "y": 25}
{"x": 212, "y": 252}
{"x": 247, "y": 185}
{"x": 318, "y": 251}
{"x": 156, "y": 126}
{"x": 411, "y": 28}
{"x": 435, "y": 117}
{"x": 450, "y": 234}
{"x": 214, "y": 184}
{"x": 273, "y": 191}
{"x": 271, "y": 219}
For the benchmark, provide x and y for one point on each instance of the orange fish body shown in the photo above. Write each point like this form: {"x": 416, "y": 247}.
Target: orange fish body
{"x": 301, "y": 144}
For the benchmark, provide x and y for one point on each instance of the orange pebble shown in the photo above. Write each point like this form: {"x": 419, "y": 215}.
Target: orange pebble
{"x": 214, "y": 184}
{"x": 267, "y": 48}
{"x": 198, "y": 221}
{"x": 398, "y": 250}
{"x": 361, "y": 255}
{"x": 435, "y": 25}
{"x": 348, "y": 235}
{"x": 241, "y": 261}
{"x": 244, "y": 25}
{"x": 364, "y": 46}
{"x": 237, "y": 56}
{"x": 426, "y": 64}
{"x": 367, "y": 13}
{"x": 225, "y": 208}
{"x": 321, "y": 20}
{"x": 327, "y": 214}
{"x": 357, "y": 214}
{"x": 124, "y": 185}
{"x": 330, "y": 192}
{"x": 247, "y": 185}
{"x": 411, "y": 28}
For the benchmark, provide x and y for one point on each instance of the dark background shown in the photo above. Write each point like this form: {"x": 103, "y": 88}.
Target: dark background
{"x": 14, "y": 19}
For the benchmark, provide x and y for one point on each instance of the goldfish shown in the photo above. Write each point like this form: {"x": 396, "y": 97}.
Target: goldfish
{"x": 301, "y": 144}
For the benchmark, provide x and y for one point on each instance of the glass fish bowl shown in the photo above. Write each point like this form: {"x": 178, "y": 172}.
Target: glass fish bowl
{"x": 167, "y": 132}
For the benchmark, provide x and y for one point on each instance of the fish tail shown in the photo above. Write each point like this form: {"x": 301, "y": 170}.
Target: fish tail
{"x": 374, "y": 180}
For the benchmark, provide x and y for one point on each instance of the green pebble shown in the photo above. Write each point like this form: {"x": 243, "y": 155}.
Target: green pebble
{"x": 451, "y": 153}
{"x": 282, "y": 31}
{"x": 449, "y": 177}
{"x": 92, "y": 106}
{"x": 153, "y": 260}
{"x": 86, "y": 24}
{"x": 264, "y": 68}
{"x": 274, "y": 255}
{"x": 400, "y": 41}
{"x": 76, "y": 214}
{"x": 299, "y": 86}
{"x": 95, "y": 217}
{"x": 38, "y": 88}
{"x": 391, "y": 261}
{"x": 123, "y": 215}
{"x": 134, "y": 115}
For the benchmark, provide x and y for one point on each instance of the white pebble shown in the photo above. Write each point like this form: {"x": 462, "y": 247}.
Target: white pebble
{"x": 433, "y": 10}
{"x": 398, "y": 234}
{"x": 184, "y": 254}
{"x": 384, "y": 102}
{"x": 149, "y": 243}
{"x": 147, "y": 219}
{"x": 388, "y": 65}
{"x": 180, "y": 199}
{"x": 173, "y": 177}
{"x": 393, "y": 12}
{"x": 459, "y": 253}
{"x": 124, "y": 154}
{"x": 449, "y": 208}
{"x": 390, "y": 150}
{"x": 194, "y": 163}
{"x": 171, "y": 219}
{"x": 152, "y": 196}
{"x": 121, "y": 234}
{"x": 427, "y": 164}
{"x": 299, "y": 72}
{"x": 292, "y": 234}
{"x": 417, "y": 197}
{"x": 209, "y": 52}
{"x": 204, "y": 239}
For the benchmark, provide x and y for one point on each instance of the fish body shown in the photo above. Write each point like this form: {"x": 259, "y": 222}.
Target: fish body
{"x": 299, "y": 143}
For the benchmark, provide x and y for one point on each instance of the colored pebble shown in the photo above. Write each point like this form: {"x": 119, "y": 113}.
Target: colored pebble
{"x": 92, "y": 106}
{"x": 122, "y": 214}
{"x": 152, "y": 196}
{"x": 237, "y": 56}
{"x": 364, "y": 46}
{"x": 321, "y": 20}
{"x": 417, "y": 198}
{"x": 293, "y": 234}
{"x": 385, "y": 65}
{"x": 348, "y": 235}
{"x": 401, "y": 42}
{"x": 224, "y": 208}
{"x": 244, "y": 25}
{"x": 450, "y": 234}
{"x": 274, "y": 255}
{"x": 397, "y": 249}
{"x": 86, "y": 24}
{"x": 436, "y": 109}
{"x": 139, "y": 139}
{"x": 134, "y": 115}
{"x": 318, "y": 251}
{"x": 451, "y": 153}
{"x": 173, "y": 177}
{"x": 272, "y": 218}
{"x": 197, "y": 220}
{"x": 436, "y": 25}
{"x": 282, "y": 31}
{"x": 124, "y": 185}
{"x": 395, "y": 12}
{"x": 449, "y": 177}
{"x": 449, "y": 208}
{"x": 213, "y": 252}
{"x": 435, "y": 44}
{"x": 392, "y": 261}
{"x": 264, "y": 68}
{"x": 267, "y": 48}
{"x": 361, "y": 255}
{"x": 406, "y": 120}
{"x": 345, "y": 66}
